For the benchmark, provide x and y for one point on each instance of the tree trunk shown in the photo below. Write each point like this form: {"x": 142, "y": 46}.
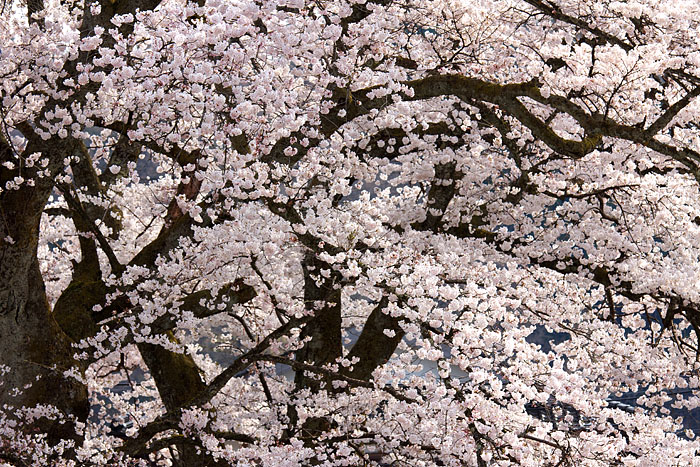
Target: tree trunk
{"x": 32, "y": 345}
{"x": 178, "y": 381}
{"x": 323, "y": 295}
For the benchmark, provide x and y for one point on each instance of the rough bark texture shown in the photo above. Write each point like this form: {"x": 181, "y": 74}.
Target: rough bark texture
{"x": 32, "y": 345}
{"x": 178, "y": 381}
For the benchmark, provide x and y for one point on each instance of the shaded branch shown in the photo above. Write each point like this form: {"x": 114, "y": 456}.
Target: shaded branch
{"x": 77, "y": 208}
{"x": 374, "y": 347}
{"x": 554, "y": 11}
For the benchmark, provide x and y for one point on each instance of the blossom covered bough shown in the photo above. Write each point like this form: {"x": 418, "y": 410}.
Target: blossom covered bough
{"x": 266, "y": 219}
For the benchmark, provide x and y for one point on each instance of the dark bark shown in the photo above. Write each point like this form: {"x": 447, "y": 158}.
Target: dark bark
{"x": 178, "y": 381}
{"x": 374, "y": 348}
{"x": 322, "y": 295}
{"x": 31, "y": 343}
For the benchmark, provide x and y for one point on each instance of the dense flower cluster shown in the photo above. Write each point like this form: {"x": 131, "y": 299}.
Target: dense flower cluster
{"x": 296, "y": 232}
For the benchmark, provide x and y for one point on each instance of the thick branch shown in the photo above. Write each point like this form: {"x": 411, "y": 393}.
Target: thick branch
{"x": 380, "y": 336}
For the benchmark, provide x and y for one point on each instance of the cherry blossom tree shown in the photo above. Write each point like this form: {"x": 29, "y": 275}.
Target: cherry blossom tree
{"x": 325, "y": 232}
